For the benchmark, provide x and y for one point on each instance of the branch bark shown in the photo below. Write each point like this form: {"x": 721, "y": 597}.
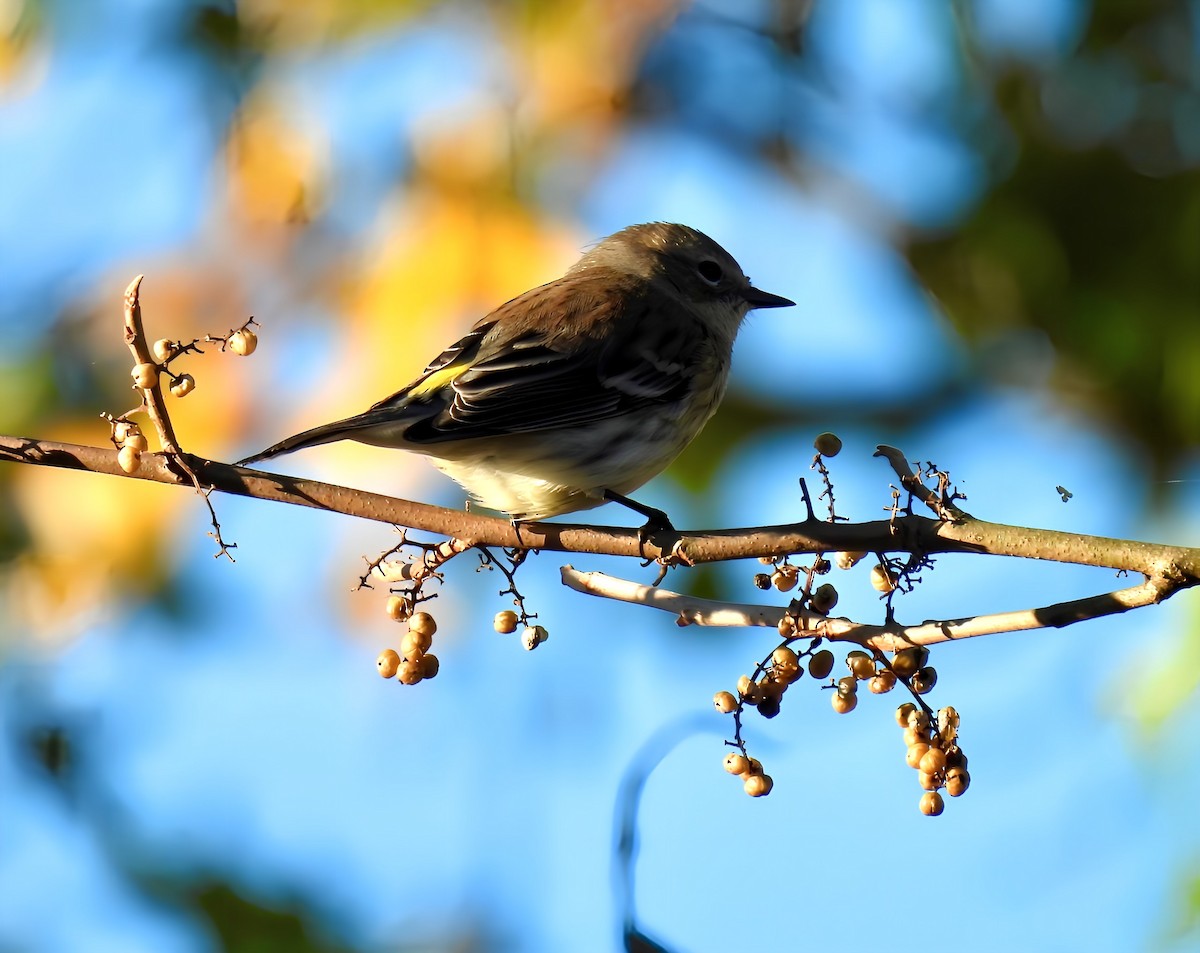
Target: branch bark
{"x": 1178, "y": 565}
{"x": 691, "y": 610}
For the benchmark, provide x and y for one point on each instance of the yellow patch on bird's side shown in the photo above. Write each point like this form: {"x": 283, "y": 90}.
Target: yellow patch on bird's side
{"x": 437, "y": 380}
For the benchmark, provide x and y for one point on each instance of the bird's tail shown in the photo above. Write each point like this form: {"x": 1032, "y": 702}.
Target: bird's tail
{"x": 349, "y": 429}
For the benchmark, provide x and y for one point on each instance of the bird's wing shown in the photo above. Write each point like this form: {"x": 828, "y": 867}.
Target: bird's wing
{"x": 535, "y": 365}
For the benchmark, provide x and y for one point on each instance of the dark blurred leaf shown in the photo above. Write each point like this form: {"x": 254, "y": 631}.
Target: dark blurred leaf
{"x": 247, "y": 927}
{"x": 1093, "y": 236}
{"x": 638, "y": 942}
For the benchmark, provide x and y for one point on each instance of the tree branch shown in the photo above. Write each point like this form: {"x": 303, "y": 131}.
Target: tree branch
{"x": 691, "y": 610}
{"x": 1178, "y": 564}
{"x": 135, "y": 340}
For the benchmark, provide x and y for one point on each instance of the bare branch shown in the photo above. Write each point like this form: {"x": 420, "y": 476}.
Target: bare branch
{"x": 135, "y": 339}
{"x": 431, "y": 559}
{"x": 944, "y": 508}
{"x": 1179, "y": 564}
{"x": 691, "y": 610}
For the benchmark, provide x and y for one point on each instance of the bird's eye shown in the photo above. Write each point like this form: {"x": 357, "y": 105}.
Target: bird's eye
{"x": 710, "y": 271}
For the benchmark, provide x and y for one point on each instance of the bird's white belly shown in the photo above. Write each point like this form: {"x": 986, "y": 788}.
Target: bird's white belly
{"x": 537, "y": 476}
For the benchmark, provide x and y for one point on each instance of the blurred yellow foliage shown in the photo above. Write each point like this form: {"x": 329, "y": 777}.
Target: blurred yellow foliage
{"x": 93, "y": 540}
{"x": 276, "y": 170}
{"x": 23, "y": 60}
{"x": 574, "y": 61}
{"x": 469, "y": 146}
{"x": 286, "y": 23}
{"x": 443, "y": 263}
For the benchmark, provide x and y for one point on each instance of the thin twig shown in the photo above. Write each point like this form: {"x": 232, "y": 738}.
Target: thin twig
{"x": 152, "y": 397}
{"x": 432, "y": 558}
{"x": 364, "y": 581}
{"x": 516, "y": 557}
{"x": 943, "y": 507}
{"x": 690, "y": 610}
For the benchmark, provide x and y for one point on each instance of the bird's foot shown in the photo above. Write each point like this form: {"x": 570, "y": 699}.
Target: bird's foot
{"x": 656, "y": 520}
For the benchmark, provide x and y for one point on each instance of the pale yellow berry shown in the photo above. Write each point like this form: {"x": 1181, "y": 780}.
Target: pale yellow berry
{"x": 903, "y": 712}
{"x": 737, "y": 763}
{"x": 918, "y": 718}
{"x": 914, "y": 736}
{"x": 957, "y": 781}
{"x": 786, "y": 627}
{"x": 758, "y": 785}
{"x": 415, "y": 644}
{"x": 162, "y": 349}
{"x": 846, "y": 559}
{"x": 121, "y": 429}
{"x": 948, "y": 722}
{"x": 915, "y": 753}
{"x": 824, "y": 598}
{"x": 906, "y": 662}
{"x": 784, "y": 659}
{"x": 882, "y": 578}
{"x": 129, "y": 459}
{"x": 429, "y": 666}
{"x": 861, "y": 665}
{"x": 724, "y": 702}
{"x": 933, "y": 761}
{"x": 744, "y": 685}
{"x": 423, "y": 623}
{"x": 533, "y": 636}
{"x": 768, "y": 687}
{"x": 882, "y": 683}
{"x": 828, "y": 444}
{"x": 821, "y": 664}
{"x": 409, "y": 672}
{"x": 784, "y": 578}
{"x": 397, "y": 608}
{"x": 388, "y": 662}
{"x": 505, "y": 621}
{"x": 932, "y": 804}
{"x": 844, "y": 702}
{"x": 923, "y": 682}
{"x": 755, "y": 766}
{"x": 243, "y": 342}
{"x": 136, "y": 440}
{"x": 183, "y": 385}
{"x": 145, "y": 376}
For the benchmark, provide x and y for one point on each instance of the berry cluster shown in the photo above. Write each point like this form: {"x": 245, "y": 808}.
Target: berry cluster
{"x": 131, "y": 443}
{"x": 932, "y": 744}
{"x": 127, "y": 436}
{"x": 750, "y": 770}
{"x": 414, "y": 662}
{"x": 932, "y": 747}
{"x": 934, "y": 751}
{"x": 506, "y": 623}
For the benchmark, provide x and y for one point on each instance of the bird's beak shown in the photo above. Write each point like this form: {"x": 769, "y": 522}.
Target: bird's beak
{"x": 764, "y": 299}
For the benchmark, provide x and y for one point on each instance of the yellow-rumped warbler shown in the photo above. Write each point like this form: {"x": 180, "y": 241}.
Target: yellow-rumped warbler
{"x": 578, "y": 391}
